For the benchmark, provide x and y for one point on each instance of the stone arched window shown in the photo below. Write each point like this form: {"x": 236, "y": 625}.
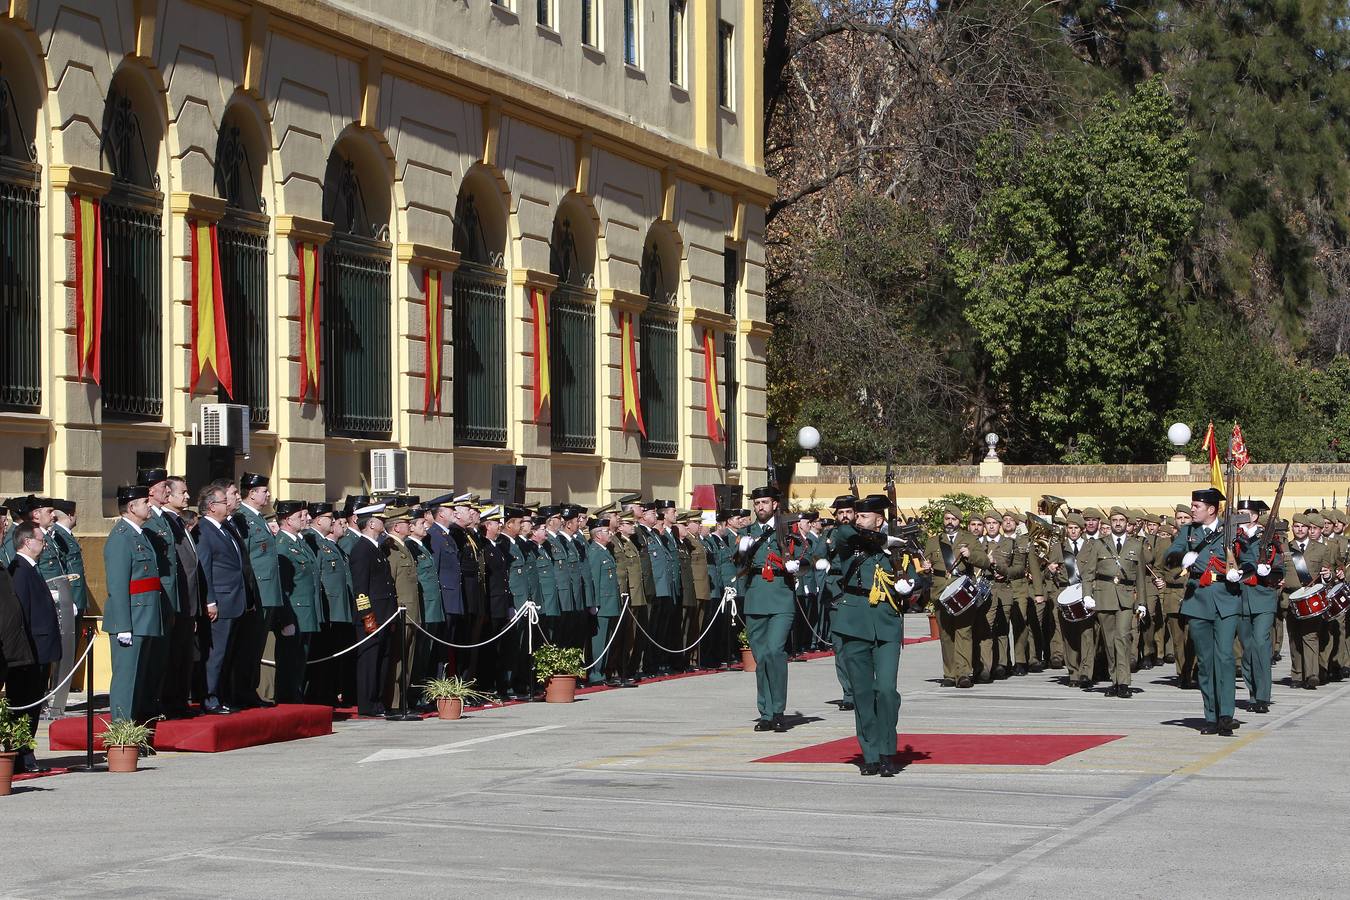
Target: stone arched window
{"x": 478, "y": 289}
{"x": 357, "y": 371}
{"x": 241, "y": 156}
{"x": 658, "y": 345}
{"x": 20, "y": 259}
{"x": 133, "y": 236}
{"x": 571, "y": 331}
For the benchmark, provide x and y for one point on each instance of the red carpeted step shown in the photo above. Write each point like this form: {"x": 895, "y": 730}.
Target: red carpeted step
{"x": 957, "y": 749}
{"x": 213, "y": 734}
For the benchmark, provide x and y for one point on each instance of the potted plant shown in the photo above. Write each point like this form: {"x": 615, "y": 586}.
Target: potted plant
{"x": 557, "y": 669}
{"x": 16, "y": 736}
{"x": 748, "y": 663}
{"x": 124, "y": 740}
{"x": 931, "y": 609}
{"x": 450, "y": 695}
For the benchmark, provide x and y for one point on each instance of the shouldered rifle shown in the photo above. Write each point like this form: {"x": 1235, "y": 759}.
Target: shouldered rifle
{"x": 852, "y": 482}
{"x": 1268, "y": 535}
{"x": 892, "y": 514}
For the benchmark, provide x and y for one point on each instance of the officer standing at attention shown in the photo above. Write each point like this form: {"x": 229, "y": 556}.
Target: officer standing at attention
{"x": 605, "y": 601}
{"x": 770, "y": 563}
{"x": 869, "y": 629}
{"x": 136, "y": 611}
{"x": 261, "y": 545}
{"x": 302, "y": 615}
{"x": 1260, "y": 599}
{"x": 335, "y": 580}
{"x": 1110, "y": 568}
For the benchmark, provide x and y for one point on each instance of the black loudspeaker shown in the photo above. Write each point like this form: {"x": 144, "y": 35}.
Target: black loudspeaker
{"x": 206, "y": 463}
{"x": 729, "y": 496}
{"x": 508, "y": 484}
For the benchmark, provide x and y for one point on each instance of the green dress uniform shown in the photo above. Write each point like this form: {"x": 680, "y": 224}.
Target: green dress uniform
{"x": 1110, "y": 566}
{"x": 1256, "y": 620}
{"x": 260, "y": 639}
{"x": 1017, "y": 578}
{"x": 550, "y": 566}
{"x": 522, "y": 580}
{"x": 335, "y": 581}
{"x": 137, "y": 604}
{"x": 943, "y": 550}
{"x": 870, "y": 628}
{"x": 302, "y": 610}
{"x": 829, "y": 587}
{"x": 607, "y": 604}
{"x": 768, "y": 613}
{"x": 663, "y": 603}
{"x": 431, "y": 610}
{"x": 403, "y": 644}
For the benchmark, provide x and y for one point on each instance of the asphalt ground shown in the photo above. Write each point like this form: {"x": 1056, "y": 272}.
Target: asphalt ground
{"x": 656, "y": 792}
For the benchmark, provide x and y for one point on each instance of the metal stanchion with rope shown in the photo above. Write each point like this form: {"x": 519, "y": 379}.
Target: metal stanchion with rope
{"x": 721, "y": 607}
{"x": 345, "y": 651}
{"x": 610, "y": 643}
{"x": 59, "y": 685}
{"x": 530, "y": 609}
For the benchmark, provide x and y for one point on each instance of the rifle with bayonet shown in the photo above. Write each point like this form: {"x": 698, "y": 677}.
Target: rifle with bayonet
{"x": 892, "y": 513}
{"x": 1229, "y": 527}
{"x": 852, "y": 482}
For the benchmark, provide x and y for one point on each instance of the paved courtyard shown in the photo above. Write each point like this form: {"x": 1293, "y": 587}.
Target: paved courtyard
{"x": 656, "y": 792}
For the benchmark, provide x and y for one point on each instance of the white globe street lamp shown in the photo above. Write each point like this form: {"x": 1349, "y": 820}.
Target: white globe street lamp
{"x": 1179, "y": 435}
{"x": 808, "y": 438}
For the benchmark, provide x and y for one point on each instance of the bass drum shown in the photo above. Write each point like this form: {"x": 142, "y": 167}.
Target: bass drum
{"x": 1071, "y": 605}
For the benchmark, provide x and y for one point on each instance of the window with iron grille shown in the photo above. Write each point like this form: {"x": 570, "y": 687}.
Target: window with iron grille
{"x": 242, "y": 238}
{"x": 590, "y": 29}
{"x": 726, "y": 60}
{"x": 478, "y": 292}
{"x": 630, "y": 33}
{"x": 133, "y": 377}
{"x": 731, "y": 277}
{"x": 543, "y": 13}
{"x": 357, "y": 374}
{"x": 677, "y": 42}
{"x": 20, "y": 294}
{"x": 658, "y": 357}
{"x": 571, "y": 344}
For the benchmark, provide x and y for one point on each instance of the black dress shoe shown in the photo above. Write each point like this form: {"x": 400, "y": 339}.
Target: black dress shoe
{"x": 1258, "y": 706}
{"x": 1274, "y": 659}
{"x": 964, "y": 682}
{"x": 1210, "y": 728}
{"x": 1123, "y": 691}
{"x": 779, "y": 726}
{"x": 845, "y": 705}
{"x": 1225, "y": 727}
{"x": 1085, "y": 683}
{"x": 1229, "y": 721}
{"x": 764, "y": 725}
{"x": 1019, "y": 670}
{"x": 613, "y": 682}
{"x": 869, "y": 768}
{"x": 888, "y": 768}
{"x": 1000, "y": 672}
{"x": 1056, "y": 662}
{"x": 630, "y": 682}
{"x": 213, "y": 707}
{"x": 26, "y": 763}
{"x": 949, "y": 682}
{"x": 1171, "y": 658}
{"x": 1311, "y": 682}
{"x": 986, "y": 678}
{"x": 1036, "y": 666}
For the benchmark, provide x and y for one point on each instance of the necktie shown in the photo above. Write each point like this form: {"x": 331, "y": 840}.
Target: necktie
{"x": 1120, "y": 542}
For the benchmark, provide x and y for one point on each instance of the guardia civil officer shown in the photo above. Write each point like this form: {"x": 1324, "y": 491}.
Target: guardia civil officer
{"x": 770, "y": 561}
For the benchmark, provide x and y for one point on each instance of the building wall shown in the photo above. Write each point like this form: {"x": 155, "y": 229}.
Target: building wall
{"x": 426, "y": 98}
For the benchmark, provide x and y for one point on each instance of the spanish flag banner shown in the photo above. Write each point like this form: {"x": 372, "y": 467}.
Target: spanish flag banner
{"x": 88, "y": 287}
{"x": 539, "y": 305}
{"x": 712, "y": 408}
{"x": 210, "y": 340}
{"x": 1215, "y": 469}
{"x": 431, "y": 286}
{"x": 308, "y": 257}
{"x": 629, "y": 374}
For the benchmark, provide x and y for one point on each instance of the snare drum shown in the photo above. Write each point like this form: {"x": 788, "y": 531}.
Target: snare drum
{"x": 1338, "y": 600}
{"x": 1309, "y": 602}
{"x": 1071, "y": 605}
{"x": 959, "y": 596}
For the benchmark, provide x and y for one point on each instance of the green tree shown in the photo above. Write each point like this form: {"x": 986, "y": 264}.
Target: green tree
{"x": 1064, "y": 275}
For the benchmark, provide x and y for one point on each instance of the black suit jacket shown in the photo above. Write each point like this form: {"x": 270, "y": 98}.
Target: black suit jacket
{"x": 223, "y": 564}
{"x": 39, "y": 612}
{"x": 370, "y": 572}
{"x": 189, "y": 580}
{"x": 14, "y": 647}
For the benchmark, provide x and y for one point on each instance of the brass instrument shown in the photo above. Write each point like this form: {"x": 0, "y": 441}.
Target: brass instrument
{"x": 1044, "y": 533}
{"x": 1050, "y": 505}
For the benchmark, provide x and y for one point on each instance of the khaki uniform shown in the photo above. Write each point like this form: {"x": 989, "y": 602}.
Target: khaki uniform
{"x": 1079, "y": 639}
{"x": 1174, "y": 578}
{"x": 1110, "y": 577}
{"x": 1153, "y": 630}
{"x": 1017, "y": 577}
{"x": 956, "y": 632}
{"x": 1301, "y": 567}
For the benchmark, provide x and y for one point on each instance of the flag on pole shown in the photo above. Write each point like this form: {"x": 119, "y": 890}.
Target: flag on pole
{"x": 88, "y": 287}
{"x": 431, "y": 287}
{"x": 629, "y": 374}
{"x": 210, "y": 337}
{"x": 1215, "y": 468}
{"x": 1240, "y": 455}
{"x": 712, "y": 409}
{"x": 539, "y": 304}
{"x": 308, "y": 257}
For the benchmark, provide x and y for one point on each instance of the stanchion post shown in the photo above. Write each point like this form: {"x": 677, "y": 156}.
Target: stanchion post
{"x": 89, "y": 700}
{"x": 403, "y": 714}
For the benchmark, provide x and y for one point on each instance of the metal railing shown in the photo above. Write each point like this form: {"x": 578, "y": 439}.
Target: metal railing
{"x": 571, "y": 357}
{"x": 242, "y": 237}
{"x": 357, "y": 375}
{"x": 480, "y": 355}
{"x": 133, "y": 367}
{"x": 20, "y": 293}
{"x": 658, "y": 372}
{"x": 729, "y": 405}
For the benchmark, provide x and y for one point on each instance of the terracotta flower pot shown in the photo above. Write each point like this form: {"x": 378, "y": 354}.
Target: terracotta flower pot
{"x": 932, "y": 626}
{"x": 449, "y": 708}
{"x": 123, "y": 758}
{"x": 7, "y": 773}
{"x": 560, "y": 689}
{"x": 748, "y": 660}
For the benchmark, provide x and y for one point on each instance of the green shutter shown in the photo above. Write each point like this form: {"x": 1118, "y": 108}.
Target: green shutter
{"x": 357, "y": 375}
{"x": 20, "y": 294}
{"x": 479, "y": 316}
{"x": 658, "y": 375}
{"x": 571, "y": 329}
{"x": 133, "y": 378}
{"x": 242, "y": 238}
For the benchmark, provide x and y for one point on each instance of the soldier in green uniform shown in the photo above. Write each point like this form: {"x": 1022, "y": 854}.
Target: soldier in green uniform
{"x": 870, "y": 627}
{"x": 948, "y": 555}
{"x": 431, "y": 612}
{"x": 550, "y": 566}
{"x": 301, "y": 613}
{"x": 136, "y": 613}
{"x": 1260, "y": 598}
{"x": 1305, "y": 561}
{"x": 627, "y": 649}
{"x": 261, "y": 545}
{"x": 665, "y": 566}
{"x": 335, "y": 582}
{"x": 403, "y": 568}
{"x": 605, "y": 601}
{"x": 844, "y": 512}
{"x": 522, "y": 580}
{"x": 1017, "y": 578}
{"x": 770, "y": 562}
{"x": 1111, "y": 567}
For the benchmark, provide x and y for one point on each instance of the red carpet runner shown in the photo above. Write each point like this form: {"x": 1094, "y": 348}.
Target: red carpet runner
{"x": 957, "y": 749}
{"x": 213, "y": 734}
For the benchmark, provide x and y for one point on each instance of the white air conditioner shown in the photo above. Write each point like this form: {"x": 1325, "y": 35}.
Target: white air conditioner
{"x": 388, "y": 471}
{"x": 225, "y": 425}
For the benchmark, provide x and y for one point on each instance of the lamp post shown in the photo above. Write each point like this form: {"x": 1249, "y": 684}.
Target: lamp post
{"x": 991, "y": 466}
{"x": 1179, "y": 434}
{"x": 808, "y": 438}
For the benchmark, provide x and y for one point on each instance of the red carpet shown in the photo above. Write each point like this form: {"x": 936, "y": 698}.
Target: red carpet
{"x": 957, "y": 749}
{"x": 213, "y": 734}
{"x": 28, "y": 776}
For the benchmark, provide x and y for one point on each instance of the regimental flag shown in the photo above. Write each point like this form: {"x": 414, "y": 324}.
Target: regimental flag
{"x": 712, "y": 408}
{"x": 431, "y": 287}
{"x": 1240, "y": 455}
{"x": 210, "y": 339}
{"x": 1215, "y": 469}
{"x": 539, "y": 304}
{"x": 308, "y": 256}
{"x": 88, "y": 287}
{"x": 629, "y": 374}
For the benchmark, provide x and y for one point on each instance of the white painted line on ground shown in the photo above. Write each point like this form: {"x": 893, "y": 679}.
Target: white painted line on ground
{"x": 456, "y": 747}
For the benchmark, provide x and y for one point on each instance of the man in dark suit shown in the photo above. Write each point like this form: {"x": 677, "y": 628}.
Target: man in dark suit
{"x": 222, "y": 576}
{"x": 446, "y": 552}
{"x": 373, "y": 585}
{"x": 183, "y": 635}
{"x": 27, "y": 684}
{"x": 74, "y": 597}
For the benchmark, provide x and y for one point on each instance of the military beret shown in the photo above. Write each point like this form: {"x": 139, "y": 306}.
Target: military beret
{"x": 1306, "y": 519}
{"x": 1120, "y": 511}
{"x": 1075, "y": 519}
{"x": 151, "y": 476}
{"x": 1279, "y": 525}
{"x": 251, "y": 480}
{"x": 1209, "y": 495}
{"x": 991, "y": 514}
{"x": 953, "y": 511}
{"x": 1182, "y": 509}
{"x": 1136, "y": 513}
{"x": 319, "y": 509}
{"x": 1093, "y": 512}
{"x": 1332, "y": 515}
{"x": 873, "y": 503}
{"x": 1151, "y": 518}
{"x": 843, "y": 501}
{"x": 767, "y": 492}
{"x": 287, "y": 508}
{"x": 128, "y": 492}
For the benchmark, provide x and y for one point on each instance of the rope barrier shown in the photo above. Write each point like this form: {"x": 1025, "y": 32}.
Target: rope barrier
{"x": 64, "y": 682}
{"x": 383, "y": 626}
{"x": 806, "y": 618}
{"x": 618, "y": 621}
{"x": 720, "y": 607}
{"x": 520, "y": 613}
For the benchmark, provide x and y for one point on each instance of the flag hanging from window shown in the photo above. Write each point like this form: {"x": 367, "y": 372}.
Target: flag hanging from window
{"x": 539, "y": 305}
{"x": 210, "y": 338}
{"x": 712, "y": 408}
{"x": 431, "y": 286}
{"x": 88, "y": 287}
{"x": 1215, "y": 469}
{"x": 629, "y": 369}
{"x": 308, "y": 257}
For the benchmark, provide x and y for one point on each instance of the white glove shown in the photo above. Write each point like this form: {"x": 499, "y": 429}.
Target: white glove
{"x": 1263, "y": 570}
{"x": 1234, "y": 575}
{"x": 288, "y": 631}
{"x": 1189, "y": 559}
{"x": 822, "y": 565}
{"x": 1089, "y": 603}
{"x": 124, "y": 638}
{"x": 904, "y": 585}
{"x": 893, "y": 541}
{"x": 1141, "y": 610}
{"x": 746, "y": 541}
{"x": 791, "y": 566}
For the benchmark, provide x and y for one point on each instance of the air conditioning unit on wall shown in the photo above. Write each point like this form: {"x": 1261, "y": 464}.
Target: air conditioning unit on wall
{"x": 225, "y": 425}
{"x": 388, "y": 471}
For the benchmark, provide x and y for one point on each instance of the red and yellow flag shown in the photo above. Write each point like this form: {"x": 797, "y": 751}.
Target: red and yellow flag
{"x": 308, "y": 257}
{"x": 539, "y": 305}
{"x": 210, "y": 339}
{"x": 1240, "y": 455}
{"x": 629, "y": 374}
{"x": 431, "y": 286}
{"x": 1215, "y": 468}
{"x": 712, "y": 408}
{"x": 88, "y": 287}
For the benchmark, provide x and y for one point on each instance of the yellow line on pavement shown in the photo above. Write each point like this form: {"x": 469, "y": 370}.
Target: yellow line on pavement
{"x": 1229, "y": 749}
